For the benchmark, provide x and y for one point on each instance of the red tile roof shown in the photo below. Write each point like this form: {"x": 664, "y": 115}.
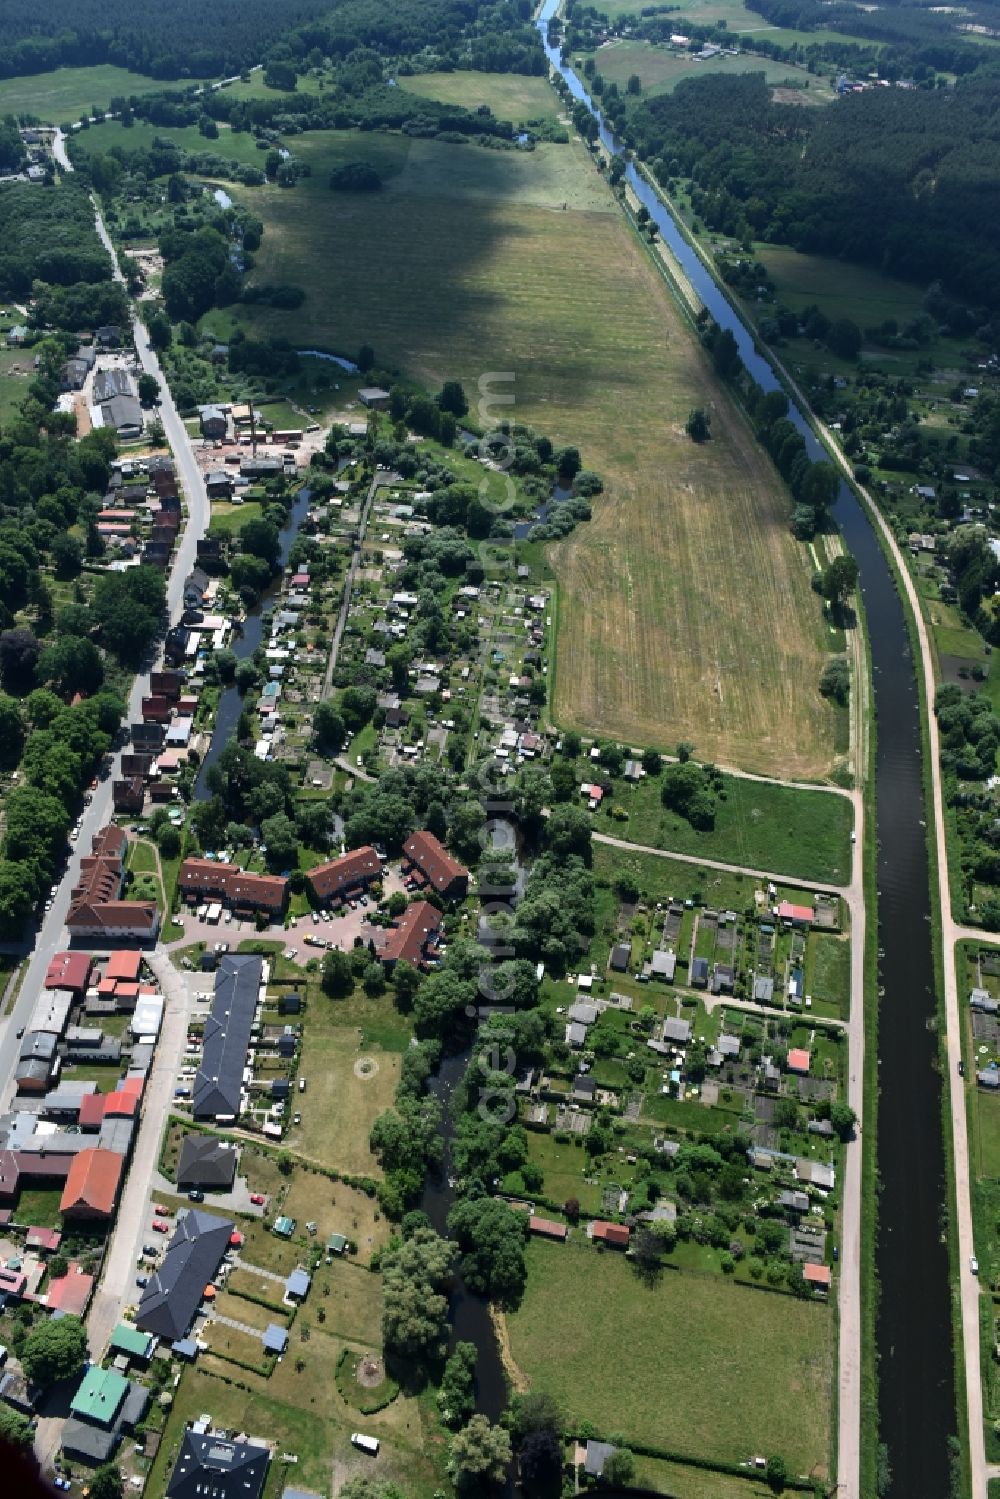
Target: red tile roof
{"x": 360, "y": 865}
{"x": 120, "y": 1105}
{"x": 547, "y": 1228}
{"x": 616, "y": 1234}
{"x": 788, "y": 911}
{"x": 43, "y": 1238}
{"x": 406, "y": 939}
{"x": 229, "y": 882}
{"x": 124, "y": 964}
{"x": 141, "y": 918}
{"x": 71, "y": 1292}
{"x": 69, "y": 970}
{"x": 92, "y": 1111}
{"x": 798, "y": 1059}
{"x": 434, "y": 861}
{"x": 817, "y": 1275}
{"x": 92, "y": 1184}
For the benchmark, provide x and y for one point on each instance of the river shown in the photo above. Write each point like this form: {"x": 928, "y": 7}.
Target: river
{"x": 917, "y": 1411}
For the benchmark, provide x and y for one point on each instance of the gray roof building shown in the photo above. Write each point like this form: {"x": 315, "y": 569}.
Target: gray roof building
{"x": 677, "y": 1030}
{"x": 597, "y": 1455}
{"x": 174, "y": 1293}
{"x": 209, "y": 1466}
{"x": 664, "y": 964}
{"x": 218, "y": 1085}
{"x": 124, "y": 414}
{"x": 206, "y": 1162}
{"x": 111, "y": 383}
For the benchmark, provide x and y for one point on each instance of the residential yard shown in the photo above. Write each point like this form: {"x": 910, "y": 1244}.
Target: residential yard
{"x": 242, "y": 1310}
{"x": 668, "y": 879}
{"x": 527, "y": 257}
{"x": 301, "y": 1411}
{"x": 711, "y": 1367}
{"x": 336, "y": 1209}
{"x": 39, "y": 1205}
{"x": 780, "y": 829}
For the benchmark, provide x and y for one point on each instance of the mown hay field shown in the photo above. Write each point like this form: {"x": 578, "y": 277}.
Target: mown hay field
{"x": 685, "y": 610}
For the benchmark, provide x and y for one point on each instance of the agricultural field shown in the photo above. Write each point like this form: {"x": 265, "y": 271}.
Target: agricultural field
{"x": 511, "y": 96}
{"x": 660, "y": 69}
{"x": 471, "y": 261}
{"x": 712, "y": 1368}
{"x": 739, "y": 19}
{"x": 68, "y": 93}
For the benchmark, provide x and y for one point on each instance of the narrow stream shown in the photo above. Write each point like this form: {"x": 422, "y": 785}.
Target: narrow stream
{"x": 914, "y": 1330}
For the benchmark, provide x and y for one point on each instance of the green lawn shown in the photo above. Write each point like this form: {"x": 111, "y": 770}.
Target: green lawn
{"x": 828, "y": 971}
{"x": 801, "y": 833}
{"x": 39, "y": 1206}
{"x": 511, "y": 96}
{"x": 230, "y": 145}
{"x": 229, "y": 520}
{"x": 68, "y": 93}
{"x": 15, "y": 367}
{"x": 682, "y": 1482}
{"x": 693, "y": 1364}
{"x": 987, "y": 1134}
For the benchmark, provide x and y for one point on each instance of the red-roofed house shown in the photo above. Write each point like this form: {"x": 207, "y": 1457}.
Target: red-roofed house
{"x": 12, "y": 1282}
{"x": 69, "y": 970}
{"x": 132, "y": 1085}
{"x": 336, "y": 880}
{"x": 408, "y": 938}
{"x": 92, "y": 1111}
{"x": 614, "y": 1234}
{"x": 48, "y": 1239}
{"x": 546, "y": 1228}
{"x": 798, "y": 1060}
{"x": 427, "y": 857}
{"x": 71, "y": 1292}
{"x": 91, "y": 1189}
{"x": 796, "y": 915}
{"x": 818, "y": 1276}
{"x": 124, "y": 964}
{"x": 96, "y": 908}
{"x": 199, "y": 878}
{"x": 119, "y": 1105}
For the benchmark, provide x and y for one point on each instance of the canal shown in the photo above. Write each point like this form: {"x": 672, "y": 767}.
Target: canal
{"x": 914, "y": 1328}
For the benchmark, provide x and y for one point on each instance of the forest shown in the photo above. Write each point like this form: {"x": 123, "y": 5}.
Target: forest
{"x": 904, "y": 180}
{"x": 189, "y": 40}
{"x": 48, "y": 234}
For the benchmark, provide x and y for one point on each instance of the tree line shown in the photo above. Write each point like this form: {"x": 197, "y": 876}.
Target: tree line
{"x": 852, "y": 181}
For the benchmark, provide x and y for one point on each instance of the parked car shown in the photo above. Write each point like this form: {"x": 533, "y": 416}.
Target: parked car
{"x": 182, "y": 1092}
{"x": 142, "y": 1281}
{"x": 160, "y": 1226}
{"x": 150, "y": 1249}
{"x": 195, "y": 1195}
{"x": 974, "y": 1265}
{"x": 161, "y": 1211}
{"x": 961, "y": 1069}
{"x": 258, "y": 1199}
{"x": 302, "y": 1085}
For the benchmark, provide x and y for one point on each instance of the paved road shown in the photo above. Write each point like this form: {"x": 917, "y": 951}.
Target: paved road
{"x": 118, "y": 1289}
{"x": 51, "y": 936}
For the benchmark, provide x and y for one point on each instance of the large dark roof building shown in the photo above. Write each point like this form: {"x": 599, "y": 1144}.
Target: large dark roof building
{"x": 219, "y": 1082}
{"x": 206, "y": 1162}
{"x": 210, "y": 1468}
{"x": 174, "y": 1293}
